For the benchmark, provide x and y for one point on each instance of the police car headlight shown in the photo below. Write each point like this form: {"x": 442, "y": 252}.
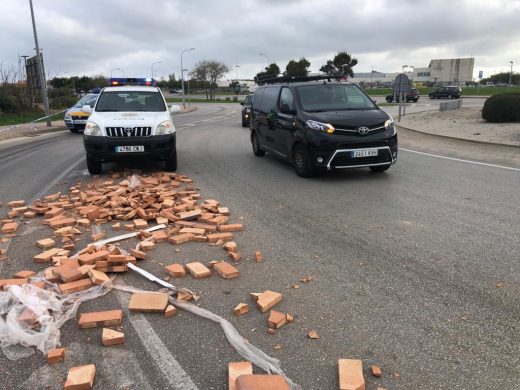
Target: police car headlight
{"x": 165, "y": 127}
{"x": 68, "y": 116}
{"x": 325, "y": 127}
{"x": 92, "y": 129}
{"x": 248, "y": 110}
{"x": 389, "y": 123}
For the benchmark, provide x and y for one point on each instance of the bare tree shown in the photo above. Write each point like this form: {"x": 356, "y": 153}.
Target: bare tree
{"x": 15, "y": 96}
{"x": 208, "y": 72}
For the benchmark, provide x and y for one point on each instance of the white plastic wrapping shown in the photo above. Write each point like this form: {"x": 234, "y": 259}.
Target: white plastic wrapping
{"x": 134, "y": 181}
{"x": 47, "y": 310}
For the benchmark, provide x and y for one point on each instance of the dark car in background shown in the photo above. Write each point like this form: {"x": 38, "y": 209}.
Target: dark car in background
{"x": 412, "y": 96}
{"x": 246, "y": 110}
{"x": 448, "y": 92}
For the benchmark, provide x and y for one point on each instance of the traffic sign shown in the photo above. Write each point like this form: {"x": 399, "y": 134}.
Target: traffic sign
{"x": 480, "y": 74}
{"x": 402, "y": 84}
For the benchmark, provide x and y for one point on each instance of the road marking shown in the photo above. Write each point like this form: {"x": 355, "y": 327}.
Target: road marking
{"x": 460, "y": 159}
{"x": 83, "y": 172}
{"x": 177, "y": 378}
{"x": 64, "y": 174}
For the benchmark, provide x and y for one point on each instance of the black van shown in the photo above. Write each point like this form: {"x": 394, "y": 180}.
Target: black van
{"x": 321, "y": 124}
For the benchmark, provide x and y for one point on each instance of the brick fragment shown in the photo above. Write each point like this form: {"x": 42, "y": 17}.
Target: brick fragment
{"x": 138, "y": 254}
{"x": 16, "y": 203}
{"x": 148, "y": 302}
{"x": 55, "y": 355}
{"x": 240, "y": 309}
{"x": 176, "y": 270}
{"x": 376, "y": 371}
{"x": 290, "y": 318}
{"x": 261, "y": 382}
{"x": 235, "y": 369}
{"x": 112, "y": 337}
{"x": 116, "y": 226}
{"x": 232, "y": 227}
{"x": 29, "y": 214}
{"x": 170, "y": 311}
{"x": 9, "y": 227}
{"x": 160, "y": 236}
{"x": 184, "y": 297}
{"x": 62, "y": 222}
{"x": 147, "y": 245}
{"x": 313, "y": 335}
{"x": 80, "y": 378}
{"x": 259, "y": 257}
{"x": 100, "y": 318}
{"x": 351, "y": 374}
{"x": 277, "y": 319}
{"x": 98, "y": 277}
{"x": 235, "y": 256}
{"x": 214, "y": 237}
{"x": 230, "y": 246}
{"x": 198, "y": 270}
{"x": 226, "y": 270}
{"x": 192, "y": 230}
{"x": 181, "y": 238}
{"x": 12, "y": 282}
{"x": 78, "y": 285}
{"x": 189, "y": 215}
{"x": 223, "y": 210}
{"x": 267, "y": 300}
{"x": 24, "y": 274}
{"x": 116, "y": 258}
{"x": 68, "y": 274}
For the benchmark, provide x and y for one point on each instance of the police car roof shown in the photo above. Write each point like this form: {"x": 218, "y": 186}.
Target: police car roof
{"x": 143, "y": 88}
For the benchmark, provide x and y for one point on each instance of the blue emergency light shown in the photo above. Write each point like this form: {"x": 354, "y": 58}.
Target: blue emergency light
{"x": 119, "y": 81}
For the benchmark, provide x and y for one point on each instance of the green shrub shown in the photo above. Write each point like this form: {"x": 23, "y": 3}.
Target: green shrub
{"x": 501, "y": 108}
{"x": 62, "y": 102}
{"x": 9, "y": 103}
{"x": 228, "y": 99}
{"x": 53, "y": 93}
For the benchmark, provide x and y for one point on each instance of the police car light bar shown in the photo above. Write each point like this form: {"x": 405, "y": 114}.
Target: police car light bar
{"x": 118, "y": 81}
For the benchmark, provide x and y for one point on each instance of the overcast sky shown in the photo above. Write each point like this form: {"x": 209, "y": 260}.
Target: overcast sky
{"x": 95, "y": 36}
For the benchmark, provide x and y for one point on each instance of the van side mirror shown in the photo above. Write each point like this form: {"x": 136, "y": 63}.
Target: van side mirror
{"x": 86, "y": 109}
{"x": 241, "y": 103}
{"x": 285, "y": 109}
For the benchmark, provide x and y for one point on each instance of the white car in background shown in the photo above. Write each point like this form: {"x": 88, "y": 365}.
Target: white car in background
{"x": 75, "y": 119}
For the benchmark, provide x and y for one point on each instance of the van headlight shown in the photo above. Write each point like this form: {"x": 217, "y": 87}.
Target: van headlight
{"x": 92, "y": 129}
{"x": 165, "y": 127}
{"x": 68, "y": 116}
{"x": 325, "y": 127}
{"x": 389, "y": 123}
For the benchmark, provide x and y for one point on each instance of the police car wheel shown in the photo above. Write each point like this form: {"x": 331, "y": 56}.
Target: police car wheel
{"x": 171, "y": 162}
{"x": 73, "y": 130}
{"x": 94, "y": 167}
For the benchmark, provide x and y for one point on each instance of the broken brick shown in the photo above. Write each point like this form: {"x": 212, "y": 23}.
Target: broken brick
{"x": 140, "y": 224}
{"x": 234, "y": 227}
{"x": 170, "y": 311}
{"x": 276, "y": 319}
{"x": 12, "y": 282}
{"x": 24, "y": 274}
{"x": 214, "y": 237}
{"x": 176, "y": 270}
{"x": 313, "y": 335}
{"x": 226, "y": 270}
{"x": 148, "y": 302}
{"x": 192, "y": 230}
{"x": 78, "y": 285}
{"x": 376, "y": 371}
{"x": 181, "y": 238}
{"x": 235, "y": 256}
{"x": 198, "y": 270}
{"x": 112, "y": 337}
{"x": 240, "y": 309}
{"x": 267, "y": 300}
{"x": 189, "y": 215}
{"x": 261, "y": 382}
{"x": 351, "y": 374}
{"x": 230, "y": 246}
{"x": 55, "y": 355}
{"x": 235, "y": 369}
{"x": 9, "y": 227}
{"x": 46, "y": 243}
{"x": 100, "y": 318}
{"x": 259, "y": 257}
{"x": 80, "y": 378}
{"x": 147, "y": 245}
{"x": 160, "y": 236}
{"x": 290, "y": 318}
{"x": 98, "y": 277}
{"x": 138, "y": 254}
{"x": 68, "y": 274}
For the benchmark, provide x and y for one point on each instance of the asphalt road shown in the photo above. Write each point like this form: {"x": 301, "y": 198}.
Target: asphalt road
{"x": 405, "y": 265}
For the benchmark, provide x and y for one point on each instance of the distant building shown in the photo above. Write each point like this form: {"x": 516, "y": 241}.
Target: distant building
{"x": 455, "y": 71}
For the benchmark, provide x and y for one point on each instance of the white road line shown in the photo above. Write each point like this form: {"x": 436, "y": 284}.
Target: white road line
{"x": 64, "y": 174}
{"x": 460, "y": 160}
{"x": 177, "y": 378}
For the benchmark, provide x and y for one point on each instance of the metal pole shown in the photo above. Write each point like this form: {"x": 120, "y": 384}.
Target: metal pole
{"x": 41, "y": 74}
{"x": 268, "y": 63}
{"x": 182, "y": 77}
{"x": 157, "y": 62}
{"x": 511, "y": 74}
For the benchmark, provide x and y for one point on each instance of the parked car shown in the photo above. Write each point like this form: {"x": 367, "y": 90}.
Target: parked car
{"x": 74, "y": 118}
{"x": 246, "y": 110}
{"x": 130, "y": 122}
{"x": 412, "y": 96}
{"x": 319, "y": 124}
{"x": 448, "y": 92}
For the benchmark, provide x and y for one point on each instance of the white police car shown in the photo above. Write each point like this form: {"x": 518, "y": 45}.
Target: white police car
{"x": 130, "y": 122}
{"x": 75, "y": 119}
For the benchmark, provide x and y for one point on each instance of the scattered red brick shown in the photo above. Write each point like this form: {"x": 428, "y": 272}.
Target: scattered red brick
{"x": 100, "y": 318}
{"x": 148, "y": 302}
{"x": 277, "y": 319}
{"x": 259, "y": 257}
{"x": 240, "y": 309}
{"x": 198, "y": 270}
{"x": 78, "y": 285}
{"x": 176, "y": 270}
{"x": 24, "y": 274}
{"x": 267, "y": 300}
{"x": 12, "y": 282}
{"x": 170, "y": 311}
{"x": 376, "y": 371}
{"x": 112, "y": 337}
{"x": 236, "y": 369}
{"x": 55, "y": 355}
{"x": 80, "y": 378}
{"x": 313, "y": 335}
{"x": 261, "y": 382}
{"x": 46, "y": 243}
{"x": 351, "y": 374}
{"x": 9, "y": 227}
{"x": 226, "y": 270}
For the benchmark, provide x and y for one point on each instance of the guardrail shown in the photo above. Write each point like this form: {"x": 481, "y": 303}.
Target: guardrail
{"x": 32, "y": 124}
{"x": 448, "y": 106}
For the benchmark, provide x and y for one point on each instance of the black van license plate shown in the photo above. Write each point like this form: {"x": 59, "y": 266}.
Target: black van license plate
{"x": 129, "y": 149}
{"x": 364, "y": 153}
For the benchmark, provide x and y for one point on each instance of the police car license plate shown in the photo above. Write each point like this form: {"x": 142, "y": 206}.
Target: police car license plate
{"x": 129, "y": 149}
{"x": 364, "y": 153}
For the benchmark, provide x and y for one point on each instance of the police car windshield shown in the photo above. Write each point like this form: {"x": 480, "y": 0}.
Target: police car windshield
{"x": 333, "y": 97}
{"x": 89, "y": 99}
{"x": 130, "y": 101}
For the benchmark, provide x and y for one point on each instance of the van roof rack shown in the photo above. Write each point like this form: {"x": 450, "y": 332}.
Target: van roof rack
{"x": 293, "y": 79}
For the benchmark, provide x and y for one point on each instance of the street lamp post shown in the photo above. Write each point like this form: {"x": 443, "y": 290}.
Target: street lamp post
{"x": 268, "y": 62}
{"x": 157, "y": 62}
{"x": 511, "y": 74}
{"x": 39, "y": 61}
{"x": 182, "y": 77}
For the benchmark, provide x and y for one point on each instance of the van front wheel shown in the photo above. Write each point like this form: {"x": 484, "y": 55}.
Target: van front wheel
{"x": 257, "y": 150}
{"x": 302, "y": 163}
{"x": 171, "y": 162}
{"x": 93, "y": 166}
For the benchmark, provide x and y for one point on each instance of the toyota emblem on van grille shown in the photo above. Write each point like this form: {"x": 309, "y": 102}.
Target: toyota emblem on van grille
{"x": 363, "y": 130}
{"x": 128, "y": 131}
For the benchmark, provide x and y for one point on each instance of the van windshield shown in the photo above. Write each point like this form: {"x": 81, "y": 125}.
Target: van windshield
{"x": 333, "y": 97}
{"x": 130, "y": 101}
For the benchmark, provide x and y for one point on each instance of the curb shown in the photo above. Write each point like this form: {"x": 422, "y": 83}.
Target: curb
{"x": 8, "y": 135}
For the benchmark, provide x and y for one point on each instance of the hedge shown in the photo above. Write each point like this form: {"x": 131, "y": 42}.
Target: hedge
{"x": 502, "y": 108}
